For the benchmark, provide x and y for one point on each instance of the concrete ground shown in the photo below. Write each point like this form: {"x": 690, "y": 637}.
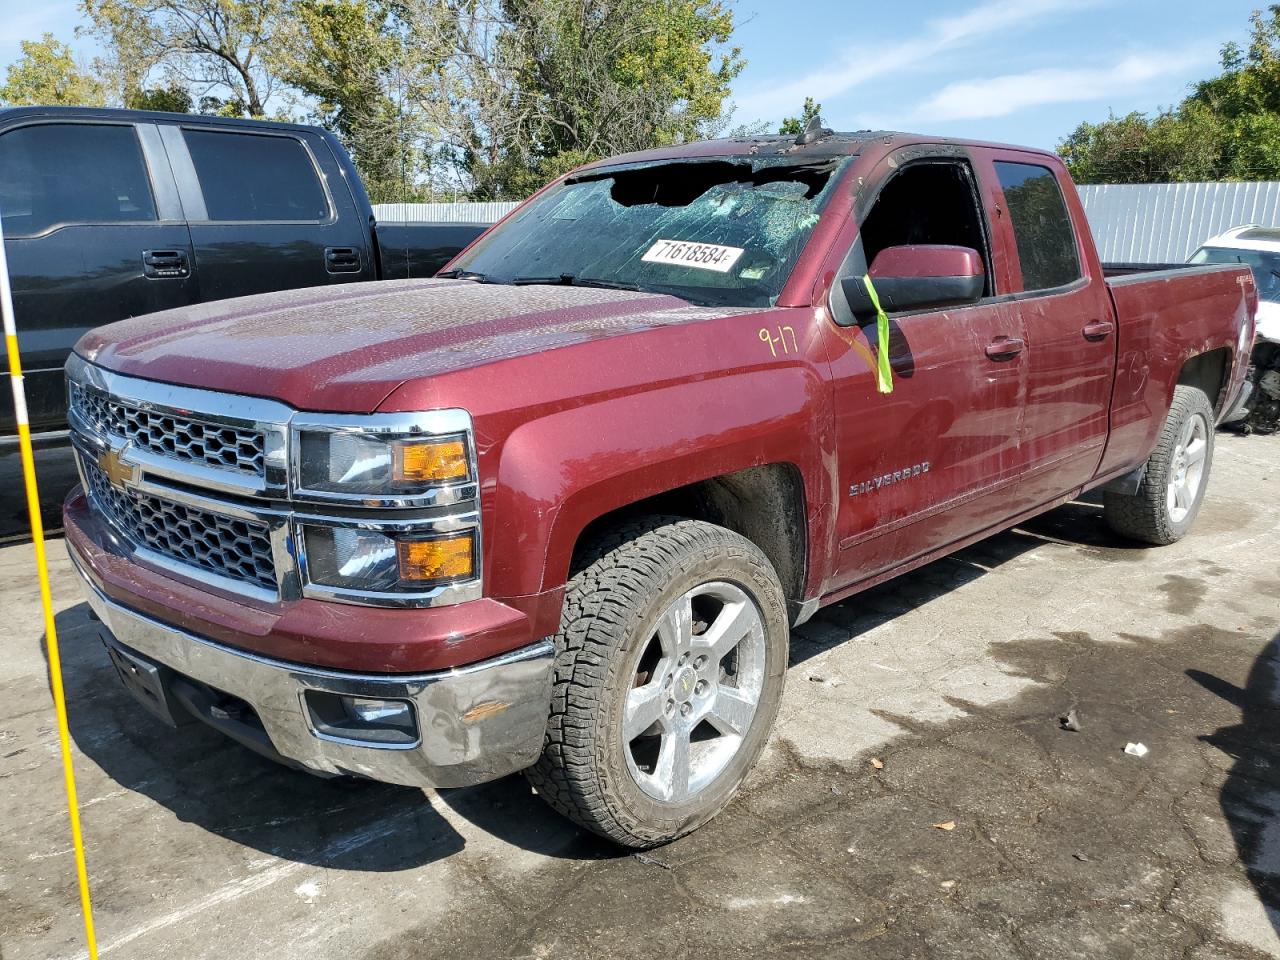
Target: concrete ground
{"x": 919, "y": 798}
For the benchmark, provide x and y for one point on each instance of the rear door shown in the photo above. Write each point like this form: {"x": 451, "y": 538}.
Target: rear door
{"x": 1071, "y": 338}
{"x": 267, "y": 209}
{"x": 931, "y": 462}
{"x": 94, "y": 233}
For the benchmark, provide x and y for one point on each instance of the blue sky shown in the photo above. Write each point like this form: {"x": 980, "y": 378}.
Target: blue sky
{"x": 1024, "y": 71}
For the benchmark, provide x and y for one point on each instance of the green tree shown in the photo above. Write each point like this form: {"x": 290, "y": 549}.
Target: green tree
{"x": 1228, "y": 128}
{"x": 171, "y": 99}
{"x": 531, "y": 86}
{"x": 794, "y": 126}
{"x": 47, "y": 74}
{"x": 352, "y": 57}
{"x": 205, "y": 44}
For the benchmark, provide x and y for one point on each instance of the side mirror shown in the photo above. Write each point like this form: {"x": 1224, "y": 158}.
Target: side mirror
{"x": 919, "y": 275}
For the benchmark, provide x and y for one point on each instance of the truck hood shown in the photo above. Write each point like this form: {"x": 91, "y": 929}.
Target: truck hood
{"x": 345, "y": 349}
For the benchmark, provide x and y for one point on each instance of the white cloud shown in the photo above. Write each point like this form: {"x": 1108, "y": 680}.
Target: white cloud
{"x": 867, "y": 61}
{"x": 1003, "y": 95}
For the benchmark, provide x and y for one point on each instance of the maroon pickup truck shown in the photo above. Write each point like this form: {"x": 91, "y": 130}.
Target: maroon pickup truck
{"x": 557, "y": 509}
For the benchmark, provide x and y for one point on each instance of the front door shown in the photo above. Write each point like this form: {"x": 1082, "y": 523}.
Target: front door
{"x": 925, "y": 465}
{"x": 93, "y": 234}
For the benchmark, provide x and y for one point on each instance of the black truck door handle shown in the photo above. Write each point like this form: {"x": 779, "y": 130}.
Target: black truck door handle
{"x": 165, "y": 264}
{"x": 1004, "y": 348}
{"x": 342, "y": 259}
{"x": 1099, "y": 330}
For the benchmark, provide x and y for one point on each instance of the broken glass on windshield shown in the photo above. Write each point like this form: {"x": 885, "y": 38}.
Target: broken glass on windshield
{"x": 714, "y": 231}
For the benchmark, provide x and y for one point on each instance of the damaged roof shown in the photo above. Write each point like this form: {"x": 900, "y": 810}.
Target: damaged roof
{"x": 832, "y": 144}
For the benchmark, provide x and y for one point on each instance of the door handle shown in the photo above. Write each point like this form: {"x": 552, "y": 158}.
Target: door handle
{"x": 1099, "y": 330}
{"x": 165, "y": 264}
{"x": 342, "y": 259}
{"x": 1005, "y": 348}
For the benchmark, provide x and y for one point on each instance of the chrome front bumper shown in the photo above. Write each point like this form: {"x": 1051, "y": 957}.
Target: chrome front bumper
{"x": 476, "y": 723}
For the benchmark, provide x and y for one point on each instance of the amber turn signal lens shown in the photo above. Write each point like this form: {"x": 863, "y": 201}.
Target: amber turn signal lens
{"x": 425, "y": 461}
{"x": 449, "y": 558}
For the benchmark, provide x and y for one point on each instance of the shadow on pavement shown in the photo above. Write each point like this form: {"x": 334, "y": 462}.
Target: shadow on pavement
{"x": 1250, "y": 796}
{"x": 1078, "y": 523}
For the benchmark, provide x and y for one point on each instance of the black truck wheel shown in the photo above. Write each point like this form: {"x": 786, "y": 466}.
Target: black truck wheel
{"x": 669, "y": 670}
{"x": 1170, "y": 495}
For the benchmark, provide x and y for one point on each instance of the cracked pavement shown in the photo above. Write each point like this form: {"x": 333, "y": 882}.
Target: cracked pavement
{"x": 952, "y": 678}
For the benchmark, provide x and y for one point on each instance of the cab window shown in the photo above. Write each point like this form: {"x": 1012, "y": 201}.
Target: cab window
{"x": 1042, "y": 230}
{"x": 60, "y": 174}
{"x": 931, "y": 202}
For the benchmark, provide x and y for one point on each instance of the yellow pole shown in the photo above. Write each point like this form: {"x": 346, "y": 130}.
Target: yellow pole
{"x": 46, "y": 598}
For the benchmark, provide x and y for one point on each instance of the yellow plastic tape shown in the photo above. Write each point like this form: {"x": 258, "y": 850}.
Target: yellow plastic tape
{"x": 884, "y": 372}
{"x": 46, "y": 598}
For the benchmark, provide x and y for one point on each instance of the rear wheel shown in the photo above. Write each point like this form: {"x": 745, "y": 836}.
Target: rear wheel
{"x": 1177, "y": 475}
{"x": 669, "y": 669}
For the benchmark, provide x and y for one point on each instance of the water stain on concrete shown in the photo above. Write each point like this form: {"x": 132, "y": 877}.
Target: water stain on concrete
{"x": 1182, "y": 595}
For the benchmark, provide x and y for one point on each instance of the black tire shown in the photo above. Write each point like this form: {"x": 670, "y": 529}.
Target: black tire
{"x": 1147, "y": 515}
{"x": 620, "y": 588}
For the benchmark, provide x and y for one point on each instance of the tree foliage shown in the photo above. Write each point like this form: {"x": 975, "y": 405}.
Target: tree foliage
{"x": 216, "y": 48}
{"x": 354, "y": 60}
{"x": 47, "y": 74}
{"x": 528, "y": 88}
{"x": 794, "y": 126}
{"x": 1227, "y": 128}
{"x": 489, "y": 98}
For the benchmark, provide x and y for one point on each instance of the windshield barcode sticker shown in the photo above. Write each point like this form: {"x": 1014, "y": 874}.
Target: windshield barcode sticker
{"x": 702, "y": 256}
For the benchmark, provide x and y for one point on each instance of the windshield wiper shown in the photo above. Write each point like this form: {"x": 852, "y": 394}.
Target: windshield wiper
{"x": 457, "y": 273}
{"x": 569, "y": 280}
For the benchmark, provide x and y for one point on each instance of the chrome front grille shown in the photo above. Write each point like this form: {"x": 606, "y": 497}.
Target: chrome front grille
{"x": 232, "y": 548}
{"x": 198, "y": 483}
{"x": 166, "y": 434}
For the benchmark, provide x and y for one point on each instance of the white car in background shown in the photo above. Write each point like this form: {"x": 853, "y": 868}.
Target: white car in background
{"x": 1259, "y": 249}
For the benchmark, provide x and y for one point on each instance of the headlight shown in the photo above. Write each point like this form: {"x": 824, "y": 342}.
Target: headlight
{"x": 396, "y": 457}
{"x": 402, "y": 527}
{"x": 348, "y": 558}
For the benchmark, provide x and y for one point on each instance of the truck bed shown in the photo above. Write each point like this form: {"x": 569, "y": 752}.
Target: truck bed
{"x": 1166, "y": 314}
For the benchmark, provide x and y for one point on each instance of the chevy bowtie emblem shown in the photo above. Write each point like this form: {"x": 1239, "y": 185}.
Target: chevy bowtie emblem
{"x": 118, "y": 470}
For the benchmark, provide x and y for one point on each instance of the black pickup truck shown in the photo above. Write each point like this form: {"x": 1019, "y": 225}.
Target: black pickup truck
{"x": 109, "y": 214}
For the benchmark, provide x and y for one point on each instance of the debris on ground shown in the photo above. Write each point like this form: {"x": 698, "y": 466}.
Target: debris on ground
{"x": 1069, "y": 721}
{"x": 945, "y": 825}
{"x": 652, "y": 861}
{"x": 1136, "y": 749}
{"x": 877, "y": 763}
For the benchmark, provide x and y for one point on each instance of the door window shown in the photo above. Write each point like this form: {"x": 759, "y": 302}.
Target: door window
{"x": 57, "y": 174}
{"x": 932, "y": 202}
{"x": 247, "y": 177}
{"x": 1042, "y": 229}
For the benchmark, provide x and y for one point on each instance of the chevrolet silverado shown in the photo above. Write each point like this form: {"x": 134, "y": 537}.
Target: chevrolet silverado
{"x": 557, "y": 509}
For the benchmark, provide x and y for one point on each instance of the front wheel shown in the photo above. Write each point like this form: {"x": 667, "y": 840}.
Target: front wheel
{"x": 1169, "y": 497}
{"x": 669, "y": 670}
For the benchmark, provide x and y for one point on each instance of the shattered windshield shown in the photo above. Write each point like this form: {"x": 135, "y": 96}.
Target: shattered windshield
{"x": 720, "y": 232}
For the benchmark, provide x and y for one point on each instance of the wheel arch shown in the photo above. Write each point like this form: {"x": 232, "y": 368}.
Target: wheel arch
{"x": 743, "y": 451}
{"x": 1209, "y": 372}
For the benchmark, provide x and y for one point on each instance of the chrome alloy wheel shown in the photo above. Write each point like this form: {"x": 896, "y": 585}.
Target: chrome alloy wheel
{"x": 1186, "y": 474}
{"x": 695, "y": 691}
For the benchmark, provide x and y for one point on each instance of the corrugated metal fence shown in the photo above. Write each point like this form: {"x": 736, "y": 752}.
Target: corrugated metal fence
{"x": 442, "y": 212}
{"x": 1165, "y": 222}
{"x": 1132, "y": 223}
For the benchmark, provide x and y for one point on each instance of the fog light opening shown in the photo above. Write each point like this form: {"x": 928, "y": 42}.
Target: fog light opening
{"x": 369, "y": 720}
